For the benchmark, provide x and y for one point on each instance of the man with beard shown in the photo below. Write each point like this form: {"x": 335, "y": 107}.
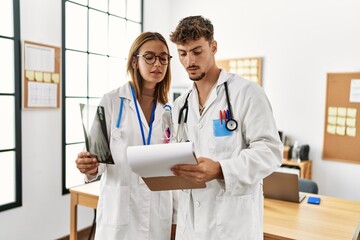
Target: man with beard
{"x": 236, "y": 141}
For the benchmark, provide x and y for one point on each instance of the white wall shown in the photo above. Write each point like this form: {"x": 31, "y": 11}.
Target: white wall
{"x": 45, "y": 213}
{"x": 299, "y": 41}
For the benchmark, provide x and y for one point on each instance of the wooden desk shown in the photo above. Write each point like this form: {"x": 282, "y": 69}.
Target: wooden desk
{"x": 304, "y": 166}
{"x": 86, "y": 195}
{"x": 334, "y": 218}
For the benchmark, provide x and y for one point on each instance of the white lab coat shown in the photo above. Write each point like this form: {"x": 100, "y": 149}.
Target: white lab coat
{"x": 231, "y": 208}
{"x": 127, "y": 209}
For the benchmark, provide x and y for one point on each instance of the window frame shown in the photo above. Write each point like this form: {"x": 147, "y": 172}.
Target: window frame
{"x": 65, "y": 190}
{"x": 17, "y": 110}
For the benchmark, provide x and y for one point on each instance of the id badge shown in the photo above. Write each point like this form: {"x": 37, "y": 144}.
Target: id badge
{"x": 220, "y": 129}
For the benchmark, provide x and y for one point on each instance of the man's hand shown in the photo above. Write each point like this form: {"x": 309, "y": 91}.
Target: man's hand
{"x": 205, "y": 171}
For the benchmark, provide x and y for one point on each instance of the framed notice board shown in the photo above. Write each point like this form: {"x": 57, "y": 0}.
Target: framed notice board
{"x": 342, "y": 118}
{"x": 41, "y": 81}
{"x": 249, "y": 68}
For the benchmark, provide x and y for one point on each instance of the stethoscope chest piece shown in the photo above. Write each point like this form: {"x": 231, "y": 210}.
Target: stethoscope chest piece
{"x": 231, "y": 125}
{"x": 116, "y": 134}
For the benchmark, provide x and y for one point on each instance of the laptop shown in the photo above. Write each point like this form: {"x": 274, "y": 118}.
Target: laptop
{"x": 283, "y": 186}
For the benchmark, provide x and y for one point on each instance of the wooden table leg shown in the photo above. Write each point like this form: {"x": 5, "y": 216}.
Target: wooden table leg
{"x": 73, "y": 215}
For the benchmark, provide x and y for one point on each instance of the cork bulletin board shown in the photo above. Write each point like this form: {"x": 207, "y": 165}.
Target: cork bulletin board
{"x": 41, "y": 76}
{"x": 342, "y": 118}
{"x": 249, "y": 68}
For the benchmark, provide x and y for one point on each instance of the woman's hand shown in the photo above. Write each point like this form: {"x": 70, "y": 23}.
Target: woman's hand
{"x": 87, "y": 164}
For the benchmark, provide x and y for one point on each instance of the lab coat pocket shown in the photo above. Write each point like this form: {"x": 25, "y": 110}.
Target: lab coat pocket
{"x": 235, "y": 217}
{"x": 116, "y": 202}
{"x": 222, "y": 145}
{"x": 219, "y": 128}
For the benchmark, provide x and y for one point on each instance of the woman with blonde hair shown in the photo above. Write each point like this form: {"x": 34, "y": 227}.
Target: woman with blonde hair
{"x": 127, "y": 209}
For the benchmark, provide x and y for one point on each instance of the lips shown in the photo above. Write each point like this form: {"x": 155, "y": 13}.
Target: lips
{"x": 156, "y": 74}
{"x": 192, "y": 69}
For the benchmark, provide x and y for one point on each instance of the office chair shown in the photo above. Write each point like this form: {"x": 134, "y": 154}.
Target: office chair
{"x": 308, "y": 186}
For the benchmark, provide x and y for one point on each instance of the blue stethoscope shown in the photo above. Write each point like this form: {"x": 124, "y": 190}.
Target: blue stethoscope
{"x": 231, "y": 123}
{"x": 139, "y": 118}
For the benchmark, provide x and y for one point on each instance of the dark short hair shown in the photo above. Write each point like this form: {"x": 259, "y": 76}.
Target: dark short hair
{"x": 192, "y": 28}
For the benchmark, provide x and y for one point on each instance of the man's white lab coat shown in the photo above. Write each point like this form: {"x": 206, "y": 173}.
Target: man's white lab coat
{"x": 231, "y": 208}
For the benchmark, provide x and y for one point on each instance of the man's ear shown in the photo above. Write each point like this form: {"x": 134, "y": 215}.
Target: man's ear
{"x": 214, "y": 46}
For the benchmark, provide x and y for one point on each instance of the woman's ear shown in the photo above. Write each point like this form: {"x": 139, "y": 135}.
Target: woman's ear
{"x": 134, "y": 62}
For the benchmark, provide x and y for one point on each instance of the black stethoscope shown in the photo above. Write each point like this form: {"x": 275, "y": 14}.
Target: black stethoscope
{"x": 231, "y": 123}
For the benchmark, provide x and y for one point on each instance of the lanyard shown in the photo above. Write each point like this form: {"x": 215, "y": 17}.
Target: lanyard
{"x": 139, "y": 119}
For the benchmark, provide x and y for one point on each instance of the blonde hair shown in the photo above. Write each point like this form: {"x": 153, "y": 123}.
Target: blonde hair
{"x": 162, "y": 88}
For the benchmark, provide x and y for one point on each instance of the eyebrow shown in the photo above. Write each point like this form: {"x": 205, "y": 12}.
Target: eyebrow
{"x": 146, "y": 52}
{"x": 191, "y": 50}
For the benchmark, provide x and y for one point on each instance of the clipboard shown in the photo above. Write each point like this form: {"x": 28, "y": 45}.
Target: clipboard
{"x": 153, "y": 162}
{"x": 171, "y": 183}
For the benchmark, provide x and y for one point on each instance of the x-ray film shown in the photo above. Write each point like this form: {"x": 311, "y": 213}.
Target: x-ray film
{"x": 95, "y": 132}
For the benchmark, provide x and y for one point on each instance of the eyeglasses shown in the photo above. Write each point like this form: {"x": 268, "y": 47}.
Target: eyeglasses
{"x": 150, "y": 58}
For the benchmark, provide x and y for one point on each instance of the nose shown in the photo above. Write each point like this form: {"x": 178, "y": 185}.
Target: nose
{"x": 189, "y": 60}
{"x": 157, "y": 61}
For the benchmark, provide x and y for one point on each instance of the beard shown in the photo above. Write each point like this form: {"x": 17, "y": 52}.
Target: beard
{"x": 202, "y": 75}
{"x": 195, "y": 79}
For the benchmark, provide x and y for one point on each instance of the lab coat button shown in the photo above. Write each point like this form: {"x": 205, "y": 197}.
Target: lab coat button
{"x": 200, "y": 125}
{"x": 197, "y": 203}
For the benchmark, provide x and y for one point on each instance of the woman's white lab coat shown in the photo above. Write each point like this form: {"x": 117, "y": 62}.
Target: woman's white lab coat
{"x": 231, "y": 208}
{"x": 127, "y": 209}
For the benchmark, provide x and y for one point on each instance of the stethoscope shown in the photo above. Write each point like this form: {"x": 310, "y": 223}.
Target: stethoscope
{"x": 231, "y": 123}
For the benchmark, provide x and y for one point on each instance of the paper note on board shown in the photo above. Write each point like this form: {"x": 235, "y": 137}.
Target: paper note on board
{"x": 331, "y": 129}
{"x": 351, "y": 122}
{"x": 351, "y": 112}
{"x": 351, "y": 132}
{"x": 56, "y": 77}
{"x": 355, "y": 90}
{"x": 341, "y": 121}
{"x": 340, "y": 130}
{"x": 30, "y": 75}
{"x": 332, "y": 120}
{"x": 47, "y": 77}
{"x": 332, "y": 111}
{"x": 39, "y": 58}
{"x": 38, "y": 76}
{"x": 341, "y": 112}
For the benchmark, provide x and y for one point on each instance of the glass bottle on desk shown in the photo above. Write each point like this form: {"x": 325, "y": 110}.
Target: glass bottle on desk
{"x": 295, "y": 153}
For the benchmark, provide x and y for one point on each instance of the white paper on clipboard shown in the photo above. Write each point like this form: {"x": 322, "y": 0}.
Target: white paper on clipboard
{"x": 156, "y": 160}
